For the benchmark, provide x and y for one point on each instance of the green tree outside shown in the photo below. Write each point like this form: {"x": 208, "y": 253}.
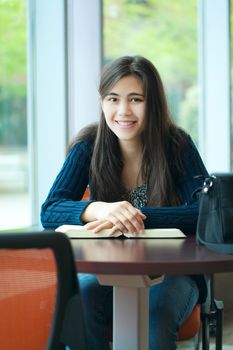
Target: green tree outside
{"x": 163, "y": 31}
{"x": 13, "y": 109}
{"x": 166, "y": 33}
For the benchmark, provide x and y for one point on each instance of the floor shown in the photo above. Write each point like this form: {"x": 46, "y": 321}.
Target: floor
{"x": 227, "y": 335}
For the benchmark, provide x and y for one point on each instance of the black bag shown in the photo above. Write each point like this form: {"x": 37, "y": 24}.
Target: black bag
{"x": 215, "y": 220}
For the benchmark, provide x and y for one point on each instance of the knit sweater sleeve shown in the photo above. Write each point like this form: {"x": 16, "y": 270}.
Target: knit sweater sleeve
{"x": 184, "y": 216}
{"x": 63, "y": 204}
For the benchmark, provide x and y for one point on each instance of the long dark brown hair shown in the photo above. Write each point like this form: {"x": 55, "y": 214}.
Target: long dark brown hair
{"x": 162, "y": 140}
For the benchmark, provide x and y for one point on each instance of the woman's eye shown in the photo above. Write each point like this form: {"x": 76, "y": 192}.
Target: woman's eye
{"x": 112, "y": 99}
{"x": 136, "y": 100}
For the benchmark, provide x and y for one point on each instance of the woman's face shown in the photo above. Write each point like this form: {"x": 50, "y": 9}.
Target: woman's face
{"x": 124, "y": 109}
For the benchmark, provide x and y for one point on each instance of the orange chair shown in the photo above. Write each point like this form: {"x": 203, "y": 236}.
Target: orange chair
{"x": 191, "y": 326}
{"x": 40, "y": 305}
{"x": 86, "y": 195}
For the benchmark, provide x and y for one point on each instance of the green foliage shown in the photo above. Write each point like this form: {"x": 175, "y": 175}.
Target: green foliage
{"x": 163, "y": 31}
{"x": 13, "y": 41}
{"x": 13, "y": 118}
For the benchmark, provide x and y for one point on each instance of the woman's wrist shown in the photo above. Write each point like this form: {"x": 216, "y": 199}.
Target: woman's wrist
{"x": 90, "y": 212}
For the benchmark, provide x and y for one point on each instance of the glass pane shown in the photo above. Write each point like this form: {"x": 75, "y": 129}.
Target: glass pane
{"x": 14, "y": 198}
{"x": 166, "y": 33}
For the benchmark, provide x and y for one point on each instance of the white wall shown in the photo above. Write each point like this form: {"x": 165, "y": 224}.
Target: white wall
{"x": 214, "y": 73}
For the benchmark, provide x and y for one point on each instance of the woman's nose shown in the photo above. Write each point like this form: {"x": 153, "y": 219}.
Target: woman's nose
{"x": 124, "y": 108}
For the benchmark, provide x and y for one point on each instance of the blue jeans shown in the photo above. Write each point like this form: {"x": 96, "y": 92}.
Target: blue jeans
{"x": 171, "y": 302}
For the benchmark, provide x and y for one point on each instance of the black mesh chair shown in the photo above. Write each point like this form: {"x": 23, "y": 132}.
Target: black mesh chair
{"x": 40, "y": 304}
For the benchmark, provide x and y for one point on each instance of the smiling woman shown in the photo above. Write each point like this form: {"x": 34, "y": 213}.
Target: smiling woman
{"x": 141, "y": 170}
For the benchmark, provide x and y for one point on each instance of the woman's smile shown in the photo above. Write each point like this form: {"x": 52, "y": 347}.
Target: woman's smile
{"x": 126, "y": 124}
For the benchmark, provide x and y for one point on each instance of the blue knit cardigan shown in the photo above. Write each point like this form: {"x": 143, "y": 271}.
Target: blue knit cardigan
{"x": 64, "y": 206}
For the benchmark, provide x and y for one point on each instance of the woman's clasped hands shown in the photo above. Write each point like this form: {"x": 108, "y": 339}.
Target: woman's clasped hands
{"x": 117, "y": 216}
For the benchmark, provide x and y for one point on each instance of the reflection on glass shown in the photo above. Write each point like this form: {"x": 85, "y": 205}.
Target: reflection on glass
{"x": 14, "y": 204}
{"x": 166, "y": 33}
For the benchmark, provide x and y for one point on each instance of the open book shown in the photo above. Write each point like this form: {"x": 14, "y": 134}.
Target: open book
{"x": 77, "y": 231}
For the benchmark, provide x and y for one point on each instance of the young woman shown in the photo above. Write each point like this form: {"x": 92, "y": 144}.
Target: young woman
{"x": 142, "y": 171}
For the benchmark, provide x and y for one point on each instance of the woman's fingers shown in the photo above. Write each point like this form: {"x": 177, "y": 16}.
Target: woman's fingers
{"x": 136, "y": 219}
{"x": 118, "y": 223}
{"x": 124, "y": 224}
{"x": 122, "y": 214}
{"x": 98, "y": 225}
{"x": 132, "y": 218}
{"x": 143, "y": 216}
{"x": 113, "y": 231}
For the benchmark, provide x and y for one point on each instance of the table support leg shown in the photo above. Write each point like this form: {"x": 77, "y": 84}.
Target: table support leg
{"x": 130, "y": 318}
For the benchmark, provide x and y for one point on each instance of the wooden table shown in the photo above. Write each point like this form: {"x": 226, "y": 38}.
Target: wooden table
{"x": 126, "y": 263}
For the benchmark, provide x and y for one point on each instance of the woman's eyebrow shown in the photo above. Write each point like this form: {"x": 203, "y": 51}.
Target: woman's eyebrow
{"x": 135, "y": 94}
{"x": 130, "y": 94}
{"x": 112, "y": 94}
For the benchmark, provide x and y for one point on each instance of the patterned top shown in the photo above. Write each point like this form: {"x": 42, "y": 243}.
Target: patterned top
{"x": 137, "y": 196}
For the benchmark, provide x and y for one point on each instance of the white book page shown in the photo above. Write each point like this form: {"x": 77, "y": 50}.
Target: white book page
{"x": 77, "y": 231}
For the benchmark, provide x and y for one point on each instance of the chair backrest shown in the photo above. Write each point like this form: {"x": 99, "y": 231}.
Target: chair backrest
{"x": 86, "y": 195}
{"x": 40, "y": 304}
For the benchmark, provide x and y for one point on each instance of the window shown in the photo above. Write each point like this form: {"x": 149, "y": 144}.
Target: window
{"x": 231, "y": 63}
{"x": 166, "y": 33}
{"x": 14, "y": 197}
